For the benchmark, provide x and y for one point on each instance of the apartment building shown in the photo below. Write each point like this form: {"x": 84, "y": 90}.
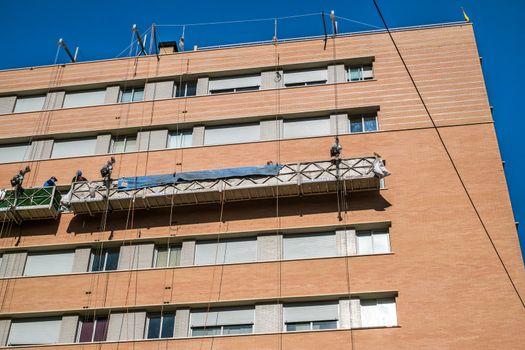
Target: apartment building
{"x": 227, "y": 224}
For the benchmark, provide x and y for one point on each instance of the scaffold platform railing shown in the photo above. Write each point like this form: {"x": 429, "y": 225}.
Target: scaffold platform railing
{"x": 307, "y": 178}
{"x": 32, "y": 204}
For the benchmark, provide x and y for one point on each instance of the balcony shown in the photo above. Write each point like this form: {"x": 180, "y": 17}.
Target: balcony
{"x": 33, "y": 204}
{"x": 289, "y": 180}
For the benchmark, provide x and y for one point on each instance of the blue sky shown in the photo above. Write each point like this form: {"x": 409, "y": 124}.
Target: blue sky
{"x": 102, "y": 30}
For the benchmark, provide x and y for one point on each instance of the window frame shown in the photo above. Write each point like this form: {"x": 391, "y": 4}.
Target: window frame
{"x": 361, "y": 70}
{"x": 185, "y": 84}
{"x": 311, "y": 322}
{"x": 162, "y": 316}
{"x": 105, "y": 252}
{"x": 41, "y": 108}
{"x": 371, "y": 234}
{"x": 310, "y": 326}
{"x": 177, "y": 133}
{"x": 126, "y": 139}
{"x": 306, "y": 82}
{"x": 362, "y": 117}
{"x": 95, "y": 319}
{"x": 221, "y": 329}
{"x": 169, "y": 249}
{"x": 378, "y": 302}
{"x": 134, "y": 90}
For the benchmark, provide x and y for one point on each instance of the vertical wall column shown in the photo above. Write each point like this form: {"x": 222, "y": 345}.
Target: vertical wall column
{"x": 202, "y": 86}
{"x": 271, "y": 129}
{"x": 182, "y": 323}
{"x": 187, "y": 255}
{"x": 112, "y": 94}
{"x": 346, "y": 242}
{"x": 197, "y": 137}
{"x": 143, "y": 138}
{"x": 336, "y": 74}
{"x": 13, "y": 264}
{"x": 158, "y": 139}
{"x": 136, "y": 256}
{"x": 339, "y": 124}
{"x": 272, "y": 80}
{"x": 349, "y": 313}
{"x": 269, "y": 247}
{"x": 268, "y": 318}
{"x": 126, "y": 326}
{"x": 355, "y": 313}
{"x": 103, "y": 144}
{"x": 81, "y": 259}
{"x": 68, "y": 329}
{"x": 40, "y": 149}
{"x": 5, "y": 325}
{"x": 54, "y": 100}
{"x": 7, "y": 104}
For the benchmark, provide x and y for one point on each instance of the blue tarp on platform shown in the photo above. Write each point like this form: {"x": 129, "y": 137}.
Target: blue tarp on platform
{"x": 139, "y": 182}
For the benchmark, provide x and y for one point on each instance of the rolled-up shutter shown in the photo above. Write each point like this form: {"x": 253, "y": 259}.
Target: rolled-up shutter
{"x": 305, "y": 76}
{"x": 232, "y": 134}
{"x": 84, "y": 98}
{"x": 13, "y": 153}
{"x": 49, "y": 263}
{"x": 33, "y": 332}
{"x": 306, "y": 127}
{"x": 310, "y": 246}
{"x": 29, "y": 104}
{"x": 230, "y": 251}
{"x": 328, "y": 311}
{"x": 222, "y": 317}
{"x": 234, "y": 82}
{"x": 74, "y": 148}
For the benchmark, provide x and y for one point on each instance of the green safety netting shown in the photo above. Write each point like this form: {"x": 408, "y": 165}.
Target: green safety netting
{"x": 44, "y": 196}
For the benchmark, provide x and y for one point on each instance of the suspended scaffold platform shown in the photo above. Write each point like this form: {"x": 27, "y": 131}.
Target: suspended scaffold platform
{"x": 236, "y": 184}
{"x": 32, "y": 204}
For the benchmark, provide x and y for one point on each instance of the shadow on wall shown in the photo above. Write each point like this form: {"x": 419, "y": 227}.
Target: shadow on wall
{"x": 206, "y": 213}
{"x": 233, "y": 211}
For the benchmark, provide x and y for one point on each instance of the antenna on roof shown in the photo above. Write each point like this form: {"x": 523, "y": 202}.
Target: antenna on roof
{"x": 73, "y": 58}
{"x": 334, "y": 23}
{"x": 135, "y": 30}
{"x": 181, "y": 40}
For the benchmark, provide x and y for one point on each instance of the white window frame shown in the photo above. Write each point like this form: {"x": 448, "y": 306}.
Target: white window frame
{"x": 182, "y": 134}
{"x": 210, "y": 312}
{"x": 284, "y": 323}
{"x": 371, "y": 233}
{"x": 133, "y": 92}
{"x": 363, "y": 116}
{"x": 126, "y": 139}
{"x": 95, "y": 321}
{"x": 221, "y": 327}
{"x": 106, "y": 254}
{"x": 162, "y": 315}
{"x": 176, "y": 87}
{"x": 170, "y": 249}
{"x": 361, "y": 72}
{"x": 379, "y": 301}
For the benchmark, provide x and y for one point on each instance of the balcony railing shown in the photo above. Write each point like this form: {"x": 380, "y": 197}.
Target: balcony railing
{"x": 308, "y": 178}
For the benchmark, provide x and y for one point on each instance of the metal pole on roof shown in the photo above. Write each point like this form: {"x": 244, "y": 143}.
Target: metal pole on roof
{"x": 135, "y": 30}
{"x": 62, "y": 43}
{"x": 334, "y": 23}
{"x": 324, "y": 28}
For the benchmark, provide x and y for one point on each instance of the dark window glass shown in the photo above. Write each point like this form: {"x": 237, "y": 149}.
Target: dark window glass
{"x": 112, "y": 259}
{"x": 356, "y": 125}
{"x": 101, "y": 329}
{"x": 168, "y": 324}
{"x": 298, "y": 326}
{"x": 86, "y": 331}
{"x": 191, "y": 89}
{"x": 204, "y": 331}
{"x": 237, "y": 329}
{"x": 370, "y": 123}
{"x": 98, "y": 260}
{"x": 324, "y": 325}
{"x": 154, "y": 327}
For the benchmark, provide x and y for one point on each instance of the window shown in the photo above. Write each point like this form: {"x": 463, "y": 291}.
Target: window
{"x": 13, "y": 153}
{"x": 227, "y": 251}
{"x": 217, "y": 135}
{"x": 93, "y": 329}
{"x": 373, "y": 242}
{"x": 364, "y": 123}
{"x": 234, "y": 84}
{"x": 29, "y": 104}
{"x": 360, "y": 73}
{"x": 84, "y": 98}
{"x": 306, "y": 127}
{"x": 34, "y": 332}
{"x": 49, "y": 263}
{"x": 168, "y": 256}
{"x": 311, "y": 316}
{"x": 105, "y": 259}
{"x": 222, "y": 322}
{"x": 122, "y": 144}
{"x": 309, "y": 246}
{"x": 74, "y": 148}
{"x": 132, "y": 95}
{"x": 186, "y": 89}
{"x": 378, "y": 312}
{"x": 306, "y": 77}
{"x": 180, "y": 139}
{"x": 160, "y": 326}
